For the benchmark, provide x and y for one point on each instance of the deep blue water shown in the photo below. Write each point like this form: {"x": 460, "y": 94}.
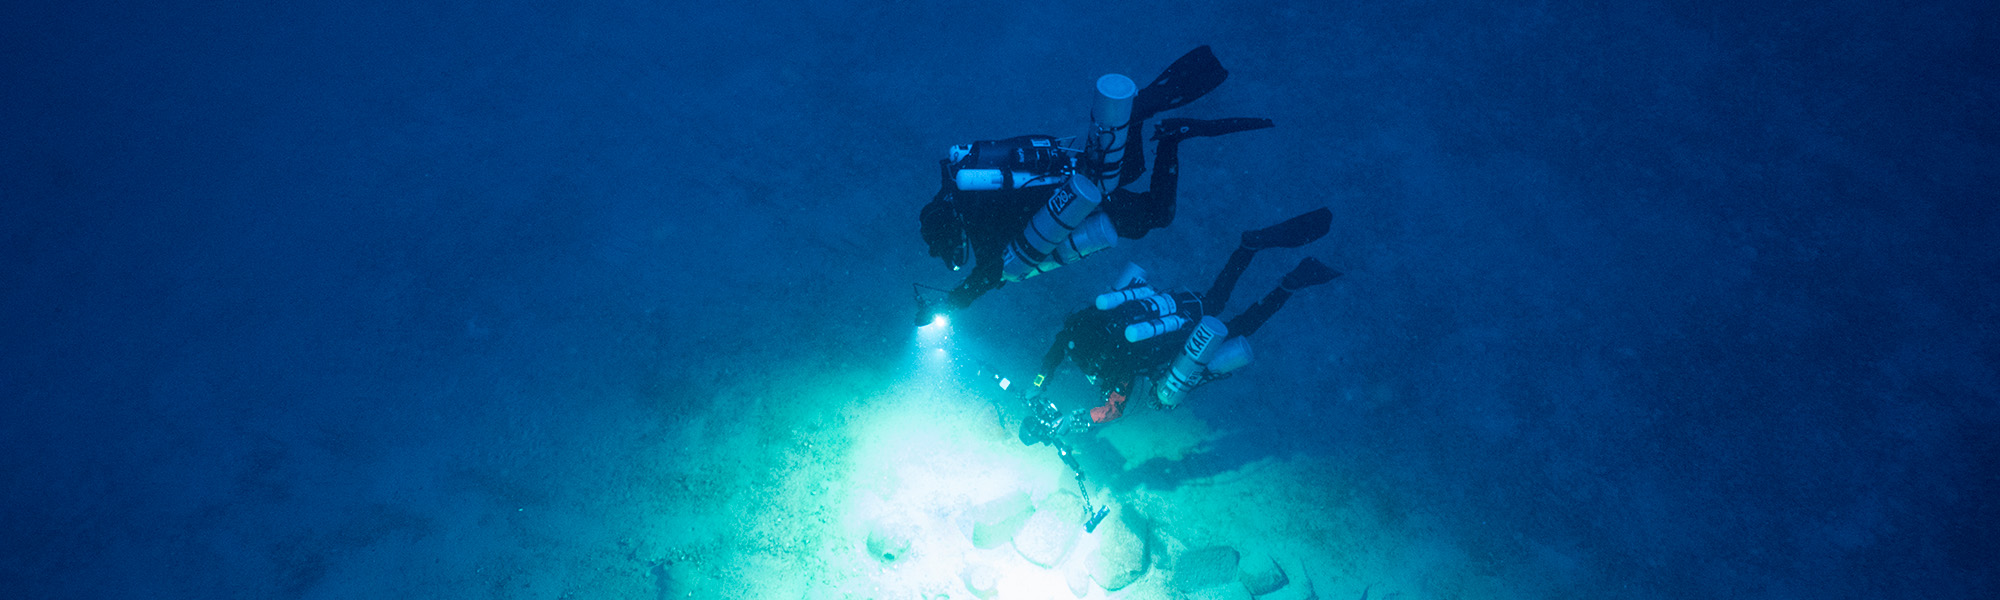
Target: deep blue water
{"x": 347, "y": 300}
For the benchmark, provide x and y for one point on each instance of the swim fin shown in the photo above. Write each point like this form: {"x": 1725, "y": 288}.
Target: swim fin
{"x": 1194, "y": 74}
{"x": 1174, "y": 130}
{"x": 1294, "y": 232}
{"x": 1310, "y": 272}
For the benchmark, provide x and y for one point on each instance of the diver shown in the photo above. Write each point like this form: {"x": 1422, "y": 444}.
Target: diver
{"x": 1136, "y": 340}
{"x": 1014, "y": 208}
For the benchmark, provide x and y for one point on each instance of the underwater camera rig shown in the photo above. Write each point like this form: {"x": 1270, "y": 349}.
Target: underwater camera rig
{"x": 1048, "y": 424}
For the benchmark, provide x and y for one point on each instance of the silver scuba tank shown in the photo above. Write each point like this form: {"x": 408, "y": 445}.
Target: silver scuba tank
{"x": 1111, "y": 300}
{"x": 1233, "y": 355}
{"x": 1191, "y": 367}
{"x": 1171, "y": 312}
{"x": 1066, "y": 209}
{"x": 1012, "y": 163}
{"x": 1130, "y": 285}
{"x": 1096, "y": 233}
{"x": 1110, "y": 126}
{"x": 1139, "y": 332}
{"x": 1133, "y": 274}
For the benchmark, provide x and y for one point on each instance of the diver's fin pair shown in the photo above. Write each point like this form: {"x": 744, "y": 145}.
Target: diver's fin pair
{"x": 1195, "y": 74}
{"x": 1294, "y": 232}
{"x": 1309, "y": 272}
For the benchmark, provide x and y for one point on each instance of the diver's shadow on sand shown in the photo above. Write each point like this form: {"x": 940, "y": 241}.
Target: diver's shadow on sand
{"x": 1220, "y": 456}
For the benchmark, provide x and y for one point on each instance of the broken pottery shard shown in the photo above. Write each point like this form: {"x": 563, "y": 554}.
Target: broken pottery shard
{"x": 1121, "y": 554}
{"x": 1260, "y": 574}
{"x": 1297, "y": 587}
{"x": 888, "y": 542}
{"x": 1049, "y": 533}
{"x": 982, "y": 580}
{"x": 995, "y": 523}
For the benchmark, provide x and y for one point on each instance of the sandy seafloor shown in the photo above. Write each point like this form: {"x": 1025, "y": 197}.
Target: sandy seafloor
{"x": 612, "y": 300}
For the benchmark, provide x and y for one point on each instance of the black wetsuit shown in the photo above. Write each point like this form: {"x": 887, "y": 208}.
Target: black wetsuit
{"x": 995, "y": 218}
{"x": 992, "y": 219}
{"x": 1095, "y": 339}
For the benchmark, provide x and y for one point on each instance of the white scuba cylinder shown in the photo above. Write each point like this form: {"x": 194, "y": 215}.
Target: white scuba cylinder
{"x": 1160, "y": 305}
{"x": 1066, "y": 209}
{"x": 1164, "y": 308}
{"x": 1233, "y": 355}
{"x": 1095, "y": 234}
{"x": 1191, "y": 367}
{"x": 1111, "y": 300}
{"x": 1110, "y": 121}
{"x": 997, "y": 179}
{"x": 1012, "y": 163}
{"x": 1139, "y": 332}
{"x": 1130, "y": 285}
{"x": 1133, "y": 275}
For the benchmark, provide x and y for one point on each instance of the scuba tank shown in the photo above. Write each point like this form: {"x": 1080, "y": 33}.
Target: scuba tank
{"x": 1139, "y": 332}
{"x": 1111, "y": 300}
{"x": 1012, "y": 163}
{"x": 1191, "y": 367}
{"x": 1233, "y": 354}
{"x": 1110, "y": 124}
{"x": 1068, "y": 208}
{"x": 1169, "y": 312}
{"x": 1133, "y": 275}
{"x": 1096, "y": 233}
{"x": 1131, "y": 285}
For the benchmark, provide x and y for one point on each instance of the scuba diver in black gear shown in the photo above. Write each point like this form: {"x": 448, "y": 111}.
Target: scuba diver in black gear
{"x": 1136, "y": 338}
{"x": 997, "y": 212}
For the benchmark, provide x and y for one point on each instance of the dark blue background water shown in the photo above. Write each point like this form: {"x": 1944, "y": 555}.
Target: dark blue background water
{"x": 340, "y": 300}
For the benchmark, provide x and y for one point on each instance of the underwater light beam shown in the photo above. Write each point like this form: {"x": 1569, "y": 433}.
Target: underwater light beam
{"x": 932, "y": 344}
{"x": 934, "y": 334}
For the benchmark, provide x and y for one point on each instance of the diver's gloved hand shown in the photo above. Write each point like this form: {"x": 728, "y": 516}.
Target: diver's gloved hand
{"x": 961, "y": 297}
{"x": 1079, "y": 421}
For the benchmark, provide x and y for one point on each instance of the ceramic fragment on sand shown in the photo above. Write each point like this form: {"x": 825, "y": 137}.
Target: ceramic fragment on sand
{"x": 888, "y": 542}
{"x": 982, "y": 580}
{"x": 1297, "y": 586}
{"x": 1260, "y": 574}
{"x": 1122, "y": 552}
{"x": 994, "y": 523}
{"x": 1050, "y": 533}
